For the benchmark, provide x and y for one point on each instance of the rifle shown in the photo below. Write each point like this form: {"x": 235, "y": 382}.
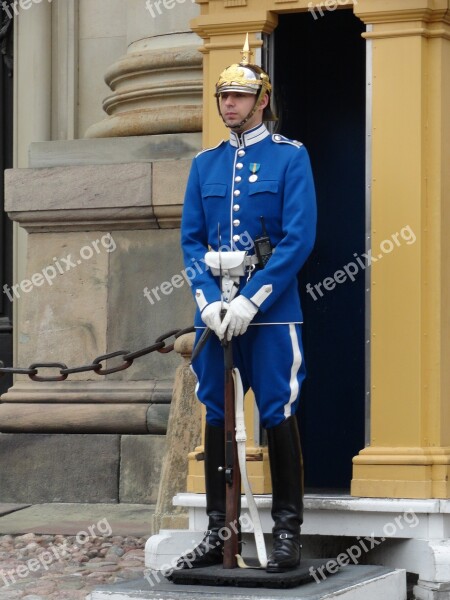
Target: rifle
{"x": 235, "y": 458}
{"x": 232, "y": 472}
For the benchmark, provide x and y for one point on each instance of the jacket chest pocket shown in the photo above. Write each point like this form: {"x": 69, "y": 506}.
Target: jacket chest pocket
{"x": 264, "y": 187}
{"x": 214, "y": 203}
{"x": 264, "y": 200}
{"x": 214, "y": 191}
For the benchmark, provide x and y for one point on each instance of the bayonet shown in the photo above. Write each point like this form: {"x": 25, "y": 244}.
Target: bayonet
{"x": 219, "y": 237}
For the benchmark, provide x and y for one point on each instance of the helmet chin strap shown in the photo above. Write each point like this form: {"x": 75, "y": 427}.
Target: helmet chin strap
{"x": 238, "y": 128}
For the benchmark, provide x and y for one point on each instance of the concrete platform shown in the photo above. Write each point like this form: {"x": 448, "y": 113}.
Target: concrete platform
{"x": 70, "y": 519}
{"x": 404, "y": 533}
{"x": 350, "y": 583}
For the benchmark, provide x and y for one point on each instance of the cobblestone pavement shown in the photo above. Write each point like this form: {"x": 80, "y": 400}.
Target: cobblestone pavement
{"x": 61, "y": 567}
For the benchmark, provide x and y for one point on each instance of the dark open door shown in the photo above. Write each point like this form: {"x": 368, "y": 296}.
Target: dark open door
{"x": 6, "y": 155}
{"x": 319, "y": 74}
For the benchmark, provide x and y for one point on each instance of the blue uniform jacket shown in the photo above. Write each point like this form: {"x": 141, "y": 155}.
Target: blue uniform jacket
{"x": 221, "y": 189}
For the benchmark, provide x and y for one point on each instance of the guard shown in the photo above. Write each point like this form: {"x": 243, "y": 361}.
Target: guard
{"x": 256, "y": 189}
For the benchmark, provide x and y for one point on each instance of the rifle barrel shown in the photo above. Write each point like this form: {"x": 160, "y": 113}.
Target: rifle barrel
{"x": 233, "y": 475}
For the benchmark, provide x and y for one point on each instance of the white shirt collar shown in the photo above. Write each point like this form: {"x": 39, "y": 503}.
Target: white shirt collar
{"x": 250, "y": 137}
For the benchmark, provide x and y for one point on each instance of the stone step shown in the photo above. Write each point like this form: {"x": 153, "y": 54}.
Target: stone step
{"x": 349, "y": 583}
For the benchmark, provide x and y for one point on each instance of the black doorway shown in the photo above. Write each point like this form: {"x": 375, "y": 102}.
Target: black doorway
{"x": 319, "y": 70}
{"x": 6, "y": 156}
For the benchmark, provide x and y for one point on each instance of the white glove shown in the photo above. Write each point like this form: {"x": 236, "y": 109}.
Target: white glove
{"x": 239, "y": 315}
{"x": 211, "y": 317}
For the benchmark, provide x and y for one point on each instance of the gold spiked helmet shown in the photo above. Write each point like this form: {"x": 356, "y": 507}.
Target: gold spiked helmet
{"x": 246, "y": 78}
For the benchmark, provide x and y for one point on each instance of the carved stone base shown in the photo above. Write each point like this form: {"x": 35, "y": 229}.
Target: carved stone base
{"x": 154, "y": 91}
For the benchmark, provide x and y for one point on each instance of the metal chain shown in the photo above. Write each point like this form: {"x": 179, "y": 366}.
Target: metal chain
{"x": 96, "y": 366}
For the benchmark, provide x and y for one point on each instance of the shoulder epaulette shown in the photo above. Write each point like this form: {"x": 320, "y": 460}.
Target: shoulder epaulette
{"x": 209, "y": 149}
{"x": 280, "y": 139}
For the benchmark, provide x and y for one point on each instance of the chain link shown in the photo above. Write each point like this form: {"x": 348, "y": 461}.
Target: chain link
{"x": 163, "y": 338}
{"x": 37, "y": 366}
{"x": 125, "y": 364}
{"x": 96, "y": 366}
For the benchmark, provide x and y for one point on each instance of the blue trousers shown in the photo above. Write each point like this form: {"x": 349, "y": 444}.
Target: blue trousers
{"x": 270, "y": 362}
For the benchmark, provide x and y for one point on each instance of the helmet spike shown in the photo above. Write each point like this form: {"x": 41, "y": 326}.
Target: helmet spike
{"x": 246, "y": 52}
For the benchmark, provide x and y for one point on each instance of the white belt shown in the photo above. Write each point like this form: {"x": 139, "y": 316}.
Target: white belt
{"x": 241, "y": 438}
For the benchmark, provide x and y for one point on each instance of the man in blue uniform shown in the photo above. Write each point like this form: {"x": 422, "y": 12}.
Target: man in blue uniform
{"x": 255, "y": 185}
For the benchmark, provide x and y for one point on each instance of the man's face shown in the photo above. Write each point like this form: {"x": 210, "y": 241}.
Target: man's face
{"x": 234, "y": 108}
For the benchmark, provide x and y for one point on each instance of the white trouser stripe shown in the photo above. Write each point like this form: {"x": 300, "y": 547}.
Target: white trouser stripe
{"x": 296, "y": 364}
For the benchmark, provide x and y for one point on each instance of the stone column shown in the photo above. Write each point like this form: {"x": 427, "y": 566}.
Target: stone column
{"x": 65, "y": 69}
{"x": 157, "y": 86}
{"x": 32, "y": 106}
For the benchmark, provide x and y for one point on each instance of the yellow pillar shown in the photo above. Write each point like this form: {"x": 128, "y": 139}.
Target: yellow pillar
{"x": 409, "y": 452}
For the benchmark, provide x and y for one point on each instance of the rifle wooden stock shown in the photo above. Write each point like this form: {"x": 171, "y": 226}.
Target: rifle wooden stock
{"x": 232, "y": 472}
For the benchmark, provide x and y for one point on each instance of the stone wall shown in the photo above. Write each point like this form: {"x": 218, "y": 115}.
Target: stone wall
{"x": 88, "y": 468}
{"x": 99, "y": 235}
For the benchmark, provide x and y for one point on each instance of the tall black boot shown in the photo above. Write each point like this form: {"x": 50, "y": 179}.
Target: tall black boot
{"x": 286, "y": 467}
{"x": 210, "y": 550}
